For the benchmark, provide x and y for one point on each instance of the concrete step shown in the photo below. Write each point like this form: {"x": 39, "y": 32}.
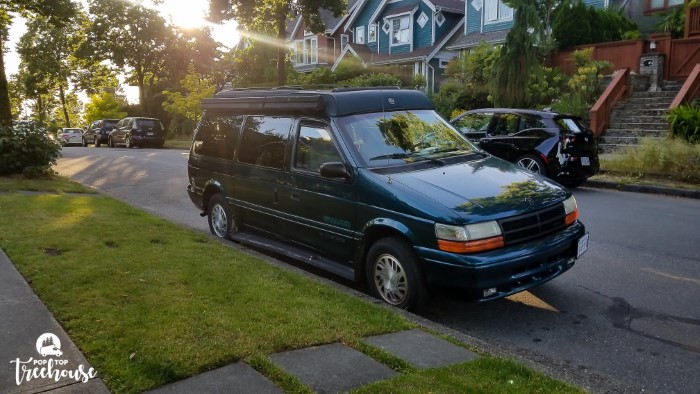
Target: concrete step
{"x": 613, "y": 132}
{"x": 661, "y": 94}
{"x": 649, "y": 105}
{"x": 644, "y": 126}
{"x": 631, "y": 112}
{"x": 628, "y": 140}
{"x": 613, "y": 148}
{"x": 636, "y": 117}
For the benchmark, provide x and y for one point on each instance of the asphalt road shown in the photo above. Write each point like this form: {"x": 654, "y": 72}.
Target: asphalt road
{"x": 629, "y": 310}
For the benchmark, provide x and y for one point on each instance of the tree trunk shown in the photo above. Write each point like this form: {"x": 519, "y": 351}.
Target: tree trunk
{"x": 62, "y": 95}
{"x": 5, "y": 110}
{"x": 281, "y": 50}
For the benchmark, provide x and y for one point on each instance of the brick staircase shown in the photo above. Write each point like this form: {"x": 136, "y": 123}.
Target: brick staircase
{"x": 643, "y": 114}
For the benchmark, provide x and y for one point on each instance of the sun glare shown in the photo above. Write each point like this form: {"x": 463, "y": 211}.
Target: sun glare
{"x": 188, "y": 14}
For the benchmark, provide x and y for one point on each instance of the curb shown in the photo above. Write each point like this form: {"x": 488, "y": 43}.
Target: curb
{"x": 669, "y": 191}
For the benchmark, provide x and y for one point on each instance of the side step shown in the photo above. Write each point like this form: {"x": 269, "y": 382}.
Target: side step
{"x": 296, "y": 253}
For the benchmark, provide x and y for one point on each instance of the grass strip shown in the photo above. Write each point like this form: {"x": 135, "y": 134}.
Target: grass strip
{"x": 380, "y": 355}
{"x": 483, "y": 375}
{"x": 55, "y": 184}
{"x": 149, "y": 302}
{"x": 277, "y": 375}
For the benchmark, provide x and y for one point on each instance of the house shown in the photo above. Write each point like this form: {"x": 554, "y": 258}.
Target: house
{"x": 406, "y": 33}
{"x": 489, "y": 21}
{"x": 310, "y": 51}
{"x": 646, "y": 13}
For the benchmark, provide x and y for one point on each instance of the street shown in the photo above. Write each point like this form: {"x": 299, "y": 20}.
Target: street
{"x": 627, "y": 310}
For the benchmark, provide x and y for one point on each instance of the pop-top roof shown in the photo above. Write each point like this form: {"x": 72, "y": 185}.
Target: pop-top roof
{"x": 336, "y": 102}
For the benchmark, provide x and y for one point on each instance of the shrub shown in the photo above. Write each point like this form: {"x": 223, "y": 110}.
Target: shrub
{"x": 684, "y": 123}
{"x": 579, "y": 24}
{"x": 319, "y": 76}
{"x": 378, "y": 79}
{"x": 27, "y": 149}
{"x": 673, "y": 159}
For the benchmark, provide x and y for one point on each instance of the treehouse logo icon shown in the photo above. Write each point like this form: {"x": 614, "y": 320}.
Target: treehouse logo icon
{"x": 49, "y": 345}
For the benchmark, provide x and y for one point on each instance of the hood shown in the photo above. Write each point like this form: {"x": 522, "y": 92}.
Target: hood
{"x": 489, "y": 188}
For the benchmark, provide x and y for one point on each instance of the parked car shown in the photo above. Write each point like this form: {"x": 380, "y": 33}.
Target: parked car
{"x": 97, "y": 132}
{"x": 137, "y": 132}
{"x": 551, "y": 144}
{"x": 70, "y": 136}
{"x": 373, "y": 185}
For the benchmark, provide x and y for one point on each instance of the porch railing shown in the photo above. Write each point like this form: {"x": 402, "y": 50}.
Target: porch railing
{"x": 690, "y": 88}
{"x": 618, "y": 88}
{"x": 692, "y": 22}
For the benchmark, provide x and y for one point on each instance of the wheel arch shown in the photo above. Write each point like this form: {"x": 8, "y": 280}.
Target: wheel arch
{"x": 211, "y": 187}
{"x": 375, "y": 230}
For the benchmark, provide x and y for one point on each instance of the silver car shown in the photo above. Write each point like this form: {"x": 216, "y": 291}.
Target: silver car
{"x": 70, "y": 136}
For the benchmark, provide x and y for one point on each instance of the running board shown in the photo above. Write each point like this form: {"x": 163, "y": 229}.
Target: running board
{"x": 295, "y": 253}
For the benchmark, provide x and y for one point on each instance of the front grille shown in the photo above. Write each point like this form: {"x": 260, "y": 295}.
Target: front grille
{"x": 533, "y": 225}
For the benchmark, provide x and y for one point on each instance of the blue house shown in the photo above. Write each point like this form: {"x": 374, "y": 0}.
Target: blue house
{"x": 489, "y": 21}
{"x": 409, "y": 33}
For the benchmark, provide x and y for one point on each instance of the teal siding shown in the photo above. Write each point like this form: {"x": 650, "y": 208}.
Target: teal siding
{"x": 595, "y": 3}
{"x": 505, "y": 25}
{"x": 422, "y": 37}
{"x": 473, "y": 18}
{"x": 450, "y": 21}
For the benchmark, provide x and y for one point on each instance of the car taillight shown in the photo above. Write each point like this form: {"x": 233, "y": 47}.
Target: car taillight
{"x": 66, "y": 135}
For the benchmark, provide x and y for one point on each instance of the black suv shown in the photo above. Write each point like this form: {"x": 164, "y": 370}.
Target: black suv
{"x": 137, "y": 132}
{"x": 548, "y": 143}
{"x": 98, "y": 132}
{"x": 373, "y": 185}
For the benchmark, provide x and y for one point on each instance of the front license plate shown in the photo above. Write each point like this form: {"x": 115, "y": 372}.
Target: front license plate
{"x": 585, "y": 161}
{"x": 582, "y": 246}
{"x": 149, "y": 133}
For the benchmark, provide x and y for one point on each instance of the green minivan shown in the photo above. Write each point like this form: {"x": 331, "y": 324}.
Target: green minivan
{"x": 371, "y": 184}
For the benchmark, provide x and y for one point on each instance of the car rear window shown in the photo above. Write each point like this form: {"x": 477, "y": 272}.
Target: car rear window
{"x": 148, "y": 123}
{"x": 110, "y": 122}
{"x": 570, "y": 124}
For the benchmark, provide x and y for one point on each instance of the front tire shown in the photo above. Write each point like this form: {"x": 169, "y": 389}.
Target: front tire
{"x": 97, "y": 142}
{"x": 110, "y": 143}
{"x": 532, "y": 163}
{"x": 220, "y": 217}
{"x": 128, "y": 143}
{"x": 85, "y": 143}
{"x": 393, "y": 275}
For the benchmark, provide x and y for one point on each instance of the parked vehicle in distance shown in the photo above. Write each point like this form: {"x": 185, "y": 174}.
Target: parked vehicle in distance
{"x": 373, "y": 185}
{"x": 137, "y": 132}
{"x": 97, "y": 133}
{"x": 548, "y": 143}
{"x": 70, "y": 136}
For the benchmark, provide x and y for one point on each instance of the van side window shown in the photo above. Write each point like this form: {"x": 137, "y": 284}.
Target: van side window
{"x": 217, "y": 135}
{"x": 314, "y": 147}
{"x": 264, "y": 141}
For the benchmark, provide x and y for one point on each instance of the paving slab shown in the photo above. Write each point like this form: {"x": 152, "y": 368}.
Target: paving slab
{"x": 234, "y": 378}
{"x": 420, "y": 349}
{"x": 24, "y": 321}
{"x": 332, "y": 368}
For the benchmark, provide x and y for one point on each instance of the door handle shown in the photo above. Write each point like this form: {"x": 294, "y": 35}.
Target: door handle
{"x": 295, "y": 197}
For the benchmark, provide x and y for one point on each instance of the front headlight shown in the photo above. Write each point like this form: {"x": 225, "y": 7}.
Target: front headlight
{"x": 571, "y": 210}
{"x": 476, "y": 237}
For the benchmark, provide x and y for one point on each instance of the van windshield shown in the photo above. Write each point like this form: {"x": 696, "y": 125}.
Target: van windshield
{"x": 397, "y": 138}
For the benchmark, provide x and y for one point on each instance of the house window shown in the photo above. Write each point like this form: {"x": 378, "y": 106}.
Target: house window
{"x": 360, "y": 35}
{"x": 306, "y": 51}
{"x": 400, "y": 31}
{"x": 344, "y": 39}
{"x": 496, "y": 11}
{"x": 444, "y": 63}
{"x": 372, "y": 33}
{"x": 439, "y": 18}
{"x": 661, "y": 5}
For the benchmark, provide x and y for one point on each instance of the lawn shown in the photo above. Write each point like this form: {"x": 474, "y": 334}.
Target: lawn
{"x": 149, "y": 302}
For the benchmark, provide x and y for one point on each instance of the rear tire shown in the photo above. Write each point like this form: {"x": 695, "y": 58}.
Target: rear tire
{"x": 532, "y": 163}
{"x": 97, "y": 142}
{"x": 85, "y": 143}
{"x": 127, "y": 142}
{"x": 393, "y": 275}
{"x": 110, "y": 143}
{"x": 220, "y": 217}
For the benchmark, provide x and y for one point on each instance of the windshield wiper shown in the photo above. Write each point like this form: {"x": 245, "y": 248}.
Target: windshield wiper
{"x": 391, "y": 156}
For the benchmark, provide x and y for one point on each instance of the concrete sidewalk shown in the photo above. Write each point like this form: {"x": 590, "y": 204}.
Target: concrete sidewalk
{"x": 24, "y": 321}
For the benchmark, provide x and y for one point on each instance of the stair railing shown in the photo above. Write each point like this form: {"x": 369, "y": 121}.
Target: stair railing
{"x": 618, "y": 89}
{"x": 689, "y": 90}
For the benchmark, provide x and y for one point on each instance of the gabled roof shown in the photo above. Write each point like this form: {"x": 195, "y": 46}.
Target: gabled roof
{"x": 455, "y": 6}
{"x": 473, "y": 39}
{"x": 331, "y": 22}
{"x": 370, "y": 58}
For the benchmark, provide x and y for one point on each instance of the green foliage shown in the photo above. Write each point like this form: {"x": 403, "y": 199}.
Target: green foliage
{"x": 418, "y": 82}
{"x": 319, "y": 76}
{"x": 375, "y": 79}
{"x": 684, "y": 122}
{"x": 104, "y": 106}
{"x": 672, "y": 158}
{"x": 27, "y": 149}
{"x": 584, "y": 86}
{"x": 672, "y": 21}
{"x": 518, "y": 60}
{"x": 547, "y": 88}
{"x": 186, "y": 106}
{"x": 475, "y": 67}
{"x": 579, "y": 24}
{"x": 349, "y": 68}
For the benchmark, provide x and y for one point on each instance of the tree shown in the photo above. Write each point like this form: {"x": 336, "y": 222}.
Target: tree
{"x": 255, "y": 16}
{"x": 56, "y": 11}
{"x": 134, "y": 38}
{"x": 104, "y": 106}
{"x": 45, "y": 51}
{"x": 187, "y": 105}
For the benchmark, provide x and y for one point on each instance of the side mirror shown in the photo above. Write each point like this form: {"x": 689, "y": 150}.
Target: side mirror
{"x": 334, "y": 169}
